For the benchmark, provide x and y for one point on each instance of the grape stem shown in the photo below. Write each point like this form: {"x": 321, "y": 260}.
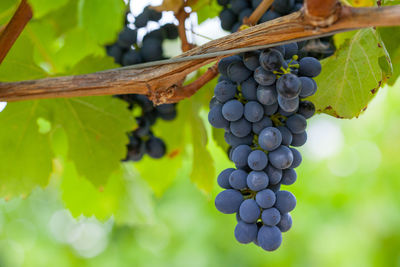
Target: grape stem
{"x": 258, "y": 13}
{"x": 10, "y": 33}
{"x": 161, "y": 80}
{"x": 181, "y": 16}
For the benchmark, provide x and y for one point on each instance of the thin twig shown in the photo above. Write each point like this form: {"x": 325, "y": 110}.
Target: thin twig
{"x": 181, "y": 16}
{"x": 14, "y": 28}
{"x": 258, "y": 13}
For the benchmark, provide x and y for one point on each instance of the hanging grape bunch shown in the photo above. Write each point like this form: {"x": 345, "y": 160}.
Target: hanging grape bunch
{"x": 259, "y": 101}
{"x": 129, "y": 51}
{"x": 235, "y": 11}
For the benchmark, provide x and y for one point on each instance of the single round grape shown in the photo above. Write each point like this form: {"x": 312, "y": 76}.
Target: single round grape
{"x": 269, "y": 238}
{"x": 286, "y": 135}
{"x": 291, "y": 50}
{"x": 223, "y": 178}
{"x": 297, "y": 158}
{"x": 224, "y": 91}
{"x": 238, "y": 179}
{"x": 249, "y": 211}
{"x": 287, "y": 114}
{"x": 285, "y": 201}
{"x": 284, "y": 7}
{"x": 155, "y": 147}
{"x": 270, "y": 110}
{"x": 257, "y": 180}
{"x": 264, "y": 77}
{"x": 296, "y": 124}
{"x": 274, "y": 174}
{"x": 245, "y": 13}
{"x": 250, "y": 59}
{"x": 257, "y": 160}
{"x": 270, "y": 138}
{"x": 309, "y": 67}
{"x": 307, "y": 87}
{"x": 127, "y": 37}
{"x": 228, "y": 201}
{"x": 249, "y": 89}
{"x": 136, "y": 149}
{"x": 238, "y": 72}
{"x": 170, "y": 31}
{"x": 240, "y": 155}
{"x": 223, "y": 2}
{"x": 272, "y": 60}
{"x": 265, "y": 198}
{"x": 253, "y": 111}
{"x": 307, "y": 109}
{"x": 232, "y": 110}
{"x": 116, "y": 52}
{"x": 281, "y": 158}
{"x": 288, "y": 86}
{"x": 281, "y": 49}
{"x": 151, "y": 50}
{"x": 228, "y": 19}
{"x": 269, "y": 15}
{"x": 299, "y": 139}
{"x": 267, "y": 95}
{"x": 275, "y": 188}
{"x": 235, "y": 141}
{"x": 271, "y": 216}
{"x": 288, "y": 105}
{"x": 240, "y": 128}
{"x": 286, "y": 222}
{"x": 246, "y": 232}
{"x": 214, "y": 102}
{"x": 216, "y": 119}
{"x": 225, "y": 62}
{"x": 239, "y": 5}
{"x": 142, "y": 19}
{"x": 131, "y": 57}
{"x": 289, "y": 177}
{"x": 261, "y": 125}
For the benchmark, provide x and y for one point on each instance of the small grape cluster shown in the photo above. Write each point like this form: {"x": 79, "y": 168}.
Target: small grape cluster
{"x": 126, "y": 51}
{"x": 259, "y": 101}
{"x": 142, "y": 140}
{"x": 235, "y": 11}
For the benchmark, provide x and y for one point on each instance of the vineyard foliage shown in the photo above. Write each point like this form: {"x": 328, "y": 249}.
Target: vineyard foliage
{"x": 80, "y": 142}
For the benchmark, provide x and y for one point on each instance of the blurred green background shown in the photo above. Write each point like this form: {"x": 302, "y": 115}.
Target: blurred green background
{"x": 348, "y": 211}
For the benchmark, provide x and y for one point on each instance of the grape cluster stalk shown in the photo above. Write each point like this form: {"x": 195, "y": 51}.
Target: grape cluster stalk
{"x": 235, "y": 11}
{"x": 260, "y": 101}
{"x": 126, "y": 51}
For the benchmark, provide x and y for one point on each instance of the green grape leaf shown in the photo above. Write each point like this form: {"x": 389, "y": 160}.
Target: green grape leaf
{"x": 352, "y": 77}
{"x": 205, "y": 9}
{"x": 161, "y": 173}
{"x": 124, "y": 196}
{"x": 96, "y": 130}
{"x": 25, "y": 151}
{"x": 43, "y": 7}
{"x": 101, "y": 19}
{"x": 7, "y": 9}
{"x": 391, "y": 38}
{"x": 203, "y": 170}
{"x": 19, "y": 64}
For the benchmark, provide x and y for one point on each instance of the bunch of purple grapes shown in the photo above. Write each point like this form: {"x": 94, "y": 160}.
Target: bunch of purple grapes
{"x": 235, "y": 11}
{"x": 128, "y": 51}
{"x": 260, "y": 102}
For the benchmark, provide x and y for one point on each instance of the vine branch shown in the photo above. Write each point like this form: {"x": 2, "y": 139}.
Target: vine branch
{"x": 14, "y": 28}
{"x": 161, "y": 82}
